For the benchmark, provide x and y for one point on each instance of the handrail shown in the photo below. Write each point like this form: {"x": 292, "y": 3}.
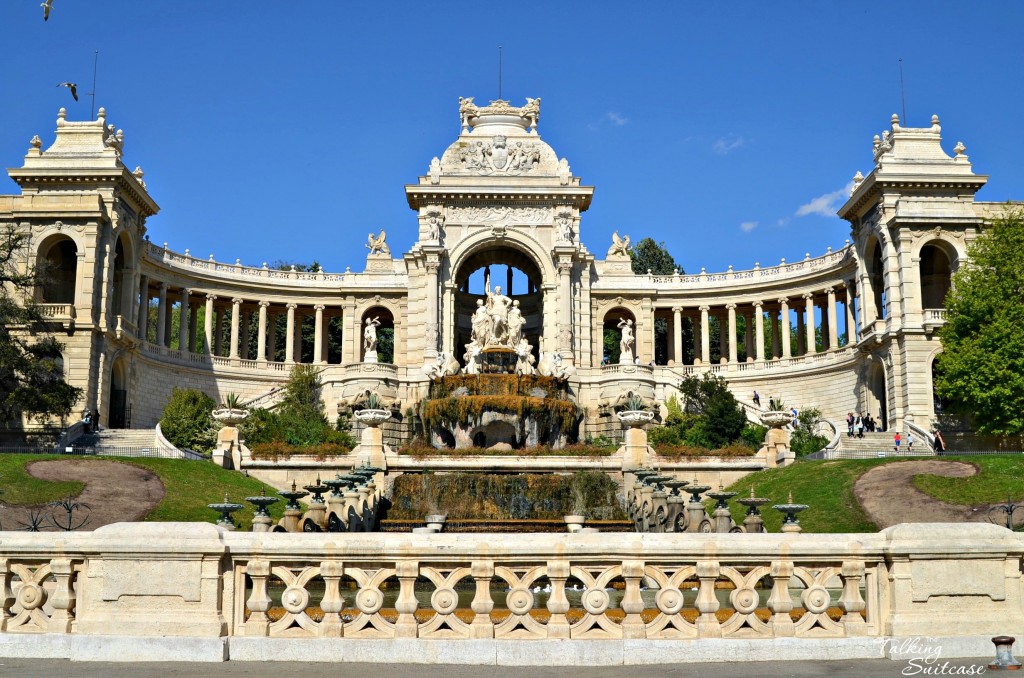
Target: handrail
{"x": 925, "y": 435}
{"x": 73, "y": 433}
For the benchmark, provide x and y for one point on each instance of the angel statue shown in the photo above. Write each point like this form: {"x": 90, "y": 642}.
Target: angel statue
{"x": 620, "y": 246}
{"x": 376, "y": 244}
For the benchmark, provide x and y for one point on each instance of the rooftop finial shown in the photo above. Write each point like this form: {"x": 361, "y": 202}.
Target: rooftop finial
{"x": 935, "y": 120}
{"x": 895, "y": 120}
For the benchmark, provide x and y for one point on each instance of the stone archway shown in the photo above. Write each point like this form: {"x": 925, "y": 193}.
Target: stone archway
{"x": 611, "y": 335}
{"x": 936, "y": 273}
{"x": 876, "y": 394}
{"x": 876, "y": 280}
{"x": 57, "y": 263}
{"x": 382, "y": 322}
{"x": 118, "y": 408}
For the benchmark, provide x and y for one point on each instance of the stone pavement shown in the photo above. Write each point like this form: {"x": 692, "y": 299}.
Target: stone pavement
{"x": 863, "y": 668}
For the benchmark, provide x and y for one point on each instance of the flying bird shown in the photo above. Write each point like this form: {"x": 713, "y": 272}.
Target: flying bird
{"x": 46, "y": 9}
{"x": 71, "y": 86}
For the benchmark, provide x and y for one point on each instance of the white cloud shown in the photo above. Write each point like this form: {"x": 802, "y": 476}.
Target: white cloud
{"x": 616, "y": 118}
{"x": 726, "y": 145}
{"x": 826, "y": 205}
{"x": 748, "y": 226}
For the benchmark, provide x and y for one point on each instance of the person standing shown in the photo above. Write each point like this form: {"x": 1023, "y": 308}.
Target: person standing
{"x": 849, "y": 424}
{"x": 858, "y": 425}
{"x": 938, "y": 445}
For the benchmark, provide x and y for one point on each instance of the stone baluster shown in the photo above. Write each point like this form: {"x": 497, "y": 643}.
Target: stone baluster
{"x": 787, "y": 349}
{"x": 236, "y": 308}
{"x": 6, "y": 593}
{"x": 63, "y": 597}
{"x": 779, "y": 602}
{"x": 759, "y": 330}
{"x": 406, "y": 604}
{"x": 261, "y": 333}
{"x": 332, "y": 603}
{"x": 258, "y": 623}
{"x": 809, "y": 324}
{"x": 558, "y": 603}
{"x": 632, "y": 604}
{"x": 482, "y": 605}
{"x": 833, "y": 329}
{"x": 732, "y": 333}
{"x": 851, "y": 602}
{"x": 708, "y": 625}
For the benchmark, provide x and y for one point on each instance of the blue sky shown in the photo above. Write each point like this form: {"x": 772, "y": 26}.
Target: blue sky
{"x": 287, "y": 130}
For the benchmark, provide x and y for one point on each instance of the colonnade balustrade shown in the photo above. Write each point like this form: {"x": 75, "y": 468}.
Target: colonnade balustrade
{"x": 789, "y": 326}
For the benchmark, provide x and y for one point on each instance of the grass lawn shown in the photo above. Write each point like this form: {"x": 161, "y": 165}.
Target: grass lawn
{"x": 827, "y": 487}
{"x": 189, "y": 486}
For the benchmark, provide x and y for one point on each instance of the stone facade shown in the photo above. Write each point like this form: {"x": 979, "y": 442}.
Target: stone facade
{"x": 498, "y": 196}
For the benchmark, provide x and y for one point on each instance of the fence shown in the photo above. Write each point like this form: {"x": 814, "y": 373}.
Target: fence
{"x": 88, "y": 451}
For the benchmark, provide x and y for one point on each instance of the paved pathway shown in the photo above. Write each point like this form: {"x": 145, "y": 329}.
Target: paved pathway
{"x": 889, "y": 497}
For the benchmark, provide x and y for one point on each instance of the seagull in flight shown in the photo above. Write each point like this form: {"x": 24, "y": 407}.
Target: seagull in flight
{"x": 70, "y": 85}
{"x": 46, "y": 9}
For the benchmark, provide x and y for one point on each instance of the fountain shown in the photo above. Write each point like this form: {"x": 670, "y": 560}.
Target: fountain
{"x": 292, "y": 510}
{"x": 696, "y": 516}
{"x": 261, "y": 517}
{"x": 723, "y": 521}
{"x": 753, "y": 523}
{"x": 790, "y": 523}
{"x": 315, "y": 517}
{"x": 226, "y": 508}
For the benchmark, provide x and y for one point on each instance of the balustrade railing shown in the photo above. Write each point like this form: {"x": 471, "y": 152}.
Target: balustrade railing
{"x": 57, "y": 311}
{"x": 646, "y": 370}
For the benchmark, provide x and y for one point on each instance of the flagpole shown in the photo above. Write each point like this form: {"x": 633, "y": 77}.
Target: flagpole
{"x": 92, "y": 94}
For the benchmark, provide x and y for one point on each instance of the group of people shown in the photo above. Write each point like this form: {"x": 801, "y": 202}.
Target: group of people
{"x": 91, "y": 420}
{"x": 857, "y": 425}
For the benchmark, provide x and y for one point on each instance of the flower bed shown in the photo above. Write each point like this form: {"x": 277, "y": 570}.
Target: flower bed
{"x": 686, "y": 451}
{"x": 274, "y": 451}
{"x": 419, "y": 448}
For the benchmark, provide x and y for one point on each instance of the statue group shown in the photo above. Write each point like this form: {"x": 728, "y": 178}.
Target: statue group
{"x": 498, "y": 323}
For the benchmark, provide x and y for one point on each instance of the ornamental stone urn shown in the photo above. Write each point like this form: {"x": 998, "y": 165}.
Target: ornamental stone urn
{"x": 635, "y": 448}
{"x": 372, "y": 440}
{"x": 228, "y": 452}
{"x": 776, "y": 441}
{"x": 574, "y": 522}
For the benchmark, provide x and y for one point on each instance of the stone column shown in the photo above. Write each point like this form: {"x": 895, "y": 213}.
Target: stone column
{"x": 142, "y": 319}
{"x": 432, "y": 334}
{"x": 261, "y": 333}
{"x": 759, "y": 330}
{"x": 851, "y": 321}
{"x": 193, "y": 327}
{"x": 809, "y": 325}
{"x": 236, "y": 306}
{"x": 677, "y": 334}
{"x": 732, "y": 333}
{"x": 208, "y": 323}
{"x": 183, "y": 320}
{"x": 243, "y": 334}
{"x": 565, "y": 312}
{"x": 318, "y": 335}
{"x": 833, "y": 327}
{"x": 289, "y": 335}
{"x": 801, "y": 343}
{"x": 786, "y": 329}
{"x": 161, "y": 315}
{"x": 705, "y": 336}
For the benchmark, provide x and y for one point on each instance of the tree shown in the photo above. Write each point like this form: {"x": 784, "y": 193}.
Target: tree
{"x": 981, "y": 369}
{"x": 710, "y": 397}
{"x": 31, "y": 365}
{"x": 187, "y": 420}
{"x": 648, "y": 255}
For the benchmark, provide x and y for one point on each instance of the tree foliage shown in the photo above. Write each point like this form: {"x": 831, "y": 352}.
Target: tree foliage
{"x": 300, "y": 419}
{"x": 31, "y": 365}
{"x": 981, "y": 369}
{"x": 648, "y": 255}
{"x": 709, "y": 416}
{"x": 187, "y": 420}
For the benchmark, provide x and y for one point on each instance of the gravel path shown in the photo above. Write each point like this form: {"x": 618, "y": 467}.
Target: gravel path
{"x": 115, "y": 492}
{"x": 889, "y": 497}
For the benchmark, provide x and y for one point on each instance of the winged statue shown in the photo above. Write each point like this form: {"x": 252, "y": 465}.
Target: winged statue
{"x": 376, "y": 244}
{"x": 620, "y": 246}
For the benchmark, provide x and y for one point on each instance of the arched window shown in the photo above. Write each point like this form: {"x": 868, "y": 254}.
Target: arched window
{"x": 936, "y": 275}
{"x": 877, "y": 279}
{"x": 58, "y": 268}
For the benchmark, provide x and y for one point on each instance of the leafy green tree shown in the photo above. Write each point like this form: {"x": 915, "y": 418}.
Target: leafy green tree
{"x": 300, "y": 419}
{"x": 981, "y": 369}
{"x": 187, "y": 420}
{"x": 31, "y": 365}
{"x": 722, "y": 418}
{"x": 648, "y": 255}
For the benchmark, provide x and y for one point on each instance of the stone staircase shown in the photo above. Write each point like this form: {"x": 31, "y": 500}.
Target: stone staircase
{"x": 118, "y": 442}
{"x": 873, "y": 443}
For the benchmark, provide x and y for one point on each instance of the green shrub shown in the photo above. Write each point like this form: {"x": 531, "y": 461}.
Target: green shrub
{"x": 187, "y": 421}
{"x": 753, "y": 435}
{"x": 663, "y": 435}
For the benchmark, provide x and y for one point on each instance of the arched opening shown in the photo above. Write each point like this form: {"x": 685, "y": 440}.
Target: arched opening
{"x": 378, "y": 325}
{"x": 875, "y": 400}
{"x": 501, "y": 270}
{"x": 58, "y": 268}
{"x": 619, "y": 332}
{"x": 877, "y": 281}
{"x": 119, "y": 411}
{"x": 120, "y": 266}
{"x": 936, "y": 276}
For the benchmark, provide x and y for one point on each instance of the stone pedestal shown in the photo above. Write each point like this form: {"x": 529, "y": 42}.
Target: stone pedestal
{"x": 634, "y": 450}
{"x": 290, "y": 521}
{"x": 317, "y": 513}
{"x": 261, "y": 523}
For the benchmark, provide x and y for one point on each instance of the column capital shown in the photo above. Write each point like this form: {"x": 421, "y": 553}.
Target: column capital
{"x": 808, "y": 295}
{"x": 759, "y": 304}
{"x": 291, "y": 307}
{"x": 784, "y": 301}
{"x": 264, "y": 304}
{"x": 319, "y": 307}
{"x": 162, "y": 285}
{"x": 730, "y": 306}
{"x": 211, "y": 297}
{"x": 830, "y": 291}
{"x": 704, "y": 309}
{"x": 677, "y": 309}
{"x": 186, "y": 292}
{"x": 237, "y": 301}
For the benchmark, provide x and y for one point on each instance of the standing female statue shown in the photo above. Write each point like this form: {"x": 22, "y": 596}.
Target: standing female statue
{"x": 626, "y": 342}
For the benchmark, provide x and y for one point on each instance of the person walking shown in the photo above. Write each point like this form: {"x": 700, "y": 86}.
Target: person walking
{"x": 910, "y": 442}
{"x": 938, "y": 445}
{"x": 850, "y": 421}
{"x": 757, "y": 399}
{"x": 858, "y": 425}
{"x": 896, "y": 442}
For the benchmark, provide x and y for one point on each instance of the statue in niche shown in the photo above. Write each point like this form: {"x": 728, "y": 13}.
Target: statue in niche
{"x": 370, "y": 339}
{"x": 435, "y": 219}
{"x": 515, "y": 324}
{"x": 620, "y": 246}
{"x": 498, "y": 307}
{"x": 564, "y": 228}
{"x": 376, "y": 244}
{"x": 626, "y": 342}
